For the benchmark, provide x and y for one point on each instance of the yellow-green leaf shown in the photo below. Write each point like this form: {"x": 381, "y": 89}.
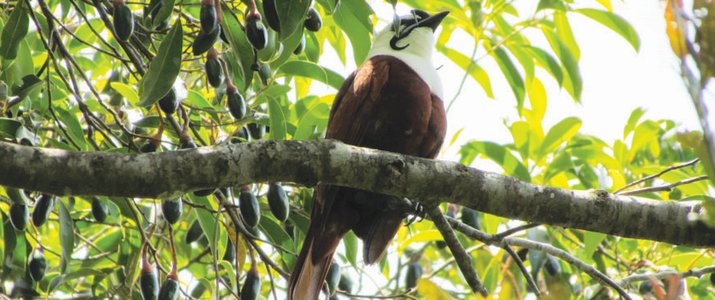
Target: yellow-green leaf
{"x": 163, "y": 68}
{"x": 615, "y": 23}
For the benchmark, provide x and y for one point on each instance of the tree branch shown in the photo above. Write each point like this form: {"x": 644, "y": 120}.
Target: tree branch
{"x": 165, "y": 174}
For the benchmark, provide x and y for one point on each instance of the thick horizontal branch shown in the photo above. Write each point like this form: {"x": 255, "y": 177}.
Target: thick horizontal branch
{"x": 428, "y": 181}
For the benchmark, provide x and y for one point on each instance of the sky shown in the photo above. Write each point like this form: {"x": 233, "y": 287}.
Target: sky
{"x": 616, "y": 80}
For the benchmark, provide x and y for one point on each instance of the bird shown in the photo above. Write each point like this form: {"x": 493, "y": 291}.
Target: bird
{"x": 392, "y": 102}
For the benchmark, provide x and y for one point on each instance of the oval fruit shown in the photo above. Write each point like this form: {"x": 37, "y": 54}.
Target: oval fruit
{"x": 169, "y": 102}
{"x": 345, "y": 284}
{"x": 194, "y": 233}
{"x": 333, "y": 278}
{"x": 257, "y": 130}
{"x": 252, "y": 286}
{"x": 256, "y": 31}
{"x": 43, "y": 206}
{"x": 99, "y": 210}
{"x": 230, "y": 253}
{"x": 169, "y": 289}
{"x": 250, "y": 210}
{"x": 236, "y": 103}
{"x": 123, "y": 20}
{"x": 37, "y": 264}
{"x": 171, "y": 209}
{"x": 214, "y": 71}
{"x": 470, "y": 217}
{"x": 240, "y": 136}
{"x": 204, "y": 41}
{"x": 19, "y": 215}
{"x": 414, "y": 272}
{"x": 278, "y": 201}
{"x": 207, "y": 16}
{"x": 264, "y": 72}
{"x": 269, "y": 10}
{"x": 313, "y": 22}
{"x": 148, "y": 147}
{"x": 552, "y": 266}
{"x": 149, "y": 283}
{"x": 299, "y": 49}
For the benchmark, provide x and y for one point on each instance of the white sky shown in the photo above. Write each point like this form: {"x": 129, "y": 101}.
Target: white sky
{"x": 616, "y": 80}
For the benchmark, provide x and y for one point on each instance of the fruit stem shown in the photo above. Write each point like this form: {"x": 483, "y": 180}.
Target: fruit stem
{"x": 227, "y": 76}
{"x": 172, "y": 274}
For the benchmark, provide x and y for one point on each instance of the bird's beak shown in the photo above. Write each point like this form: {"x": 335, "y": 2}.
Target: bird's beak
{"x": 434, "y": 20}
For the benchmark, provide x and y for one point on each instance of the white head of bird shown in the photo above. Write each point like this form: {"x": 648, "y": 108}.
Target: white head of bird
{"x": 412, "y": 44}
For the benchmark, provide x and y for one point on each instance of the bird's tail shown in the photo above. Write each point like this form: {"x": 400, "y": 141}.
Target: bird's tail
{"x": 308, "y": 276}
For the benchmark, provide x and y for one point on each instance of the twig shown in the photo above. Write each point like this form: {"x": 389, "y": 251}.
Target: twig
{"x": 524, "y": 271}
{"x": 464, "y": 261}
{"x": 525, "y": 243}
{"x": 665, "y": 274}
{"x": 664, "y": 188}
{"x": 671, "y": 168}
{"x": 514, "y": 230}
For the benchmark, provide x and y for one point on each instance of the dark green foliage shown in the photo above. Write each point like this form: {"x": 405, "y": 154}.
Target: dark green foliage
{"x": 203, "y": 193}
{"x": 19, "y": 216}
{"x": 278, "y": 201}
{"x": 414, "y": 272}
{"x": 230, "y": 253}
{"x": 123, "y": 20}
{"x": 148, "y": 147}
{"x": 99, "y": 210}
{"x": 43, "y": 206}
{"x": 194, "y": 233}
{"x": 171, "y": 210}
{"x": 37, "y": 264}
{"x": 264, "y": 72}
{"x": 252, "y": 286}
{"x": 299, "y": 49}
{"x": 250, "y": 210}
{"x": 313, "y": 22}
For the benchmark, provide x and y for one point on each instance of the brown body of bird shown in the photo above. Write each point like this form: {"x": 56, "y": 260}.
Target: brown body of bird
{"x": 391, "y": 102}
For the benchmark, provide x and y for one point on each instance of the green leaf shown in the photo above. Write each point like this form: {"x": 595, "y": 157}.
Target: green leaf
{"x": 314, "y": 71}
{"x": 591, "y": 240}
{"x": 163, "y": 68}
{"x": 633, "y": 119}
{"x": 207, "y": 220}
{"x": 14, "y": 31}
{"x": 167, "y": 6}
{"x": 278, "y": 120}
{"x": 563, "y": 30}
{"x": 66, "y": 236}
{"x": 241, "y": 53}
{"x": 289, "y": 45}
{"x": 572, "y": 83}
{"x": 29, "y": 83}
{"x": 561, "y": 132}
{"x": 351, "y": 248}
{"x": 291, "y": 14}
{"x": 511, "y": 74}
{"x": 127, "y": 91}
{"x": 469, "y": 66}
{"x": 316, "y": 119}
{"x": 148, "y": 122}
{"x": 498, "y": 154}
{"x": 9, "y": 127}
{"x": 354, "y": 18}
{"x": 615, "y": 23}
{"x": 546, "y": 61}
{"x": 74, "y": 128}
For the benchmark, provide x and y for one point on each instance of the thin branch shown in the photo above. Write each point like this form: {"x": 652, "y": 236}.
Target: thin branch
{"x": 665, "y": 274}
{"x": 665, "y": 188}
{"x": 464, "y": 261}
{"x": 671, "y": 168}
{"x": 524, "y": 271}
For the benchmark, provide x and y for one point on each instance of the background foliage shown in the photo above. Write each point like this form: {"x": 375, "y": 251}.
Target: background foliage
{"x": 67, "y": 81}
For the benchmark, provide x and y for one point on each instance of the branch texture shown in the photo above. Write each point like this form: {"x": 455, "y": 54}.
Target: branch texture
{"x": 170, "y": 173}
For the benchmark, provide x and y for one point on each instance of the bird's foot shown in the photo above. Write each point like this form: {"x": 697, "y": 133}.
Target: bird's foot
{"x": 417, "y": 213}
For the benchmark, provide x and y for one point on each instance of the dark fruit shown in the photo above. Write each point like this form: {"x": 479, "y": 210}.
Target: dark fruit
{"x": 414, "y": 272}
{"x": 278, "y": 201}
{"x": 712, "y": 279}
{"x": 204, "y": 193}
{"x": 169, "y": 103}
{"x": 186, "y": 142}
{"x": 230, "y": 253}
{"x": 19, "y": 215}
{"x": 257, "y": 130}
{"x": 149, "y": 283}
{"x": 522, "y": 253}
{"x": 552, "y": 266}
{"x": 269, "y": 10}
{"x": 148, "y": 147}
{"x": 236, "y": 103}
{"x": 37, "y": 264}
{"x": 345, "y": 284}
{"x": 43, "y": 206}
{"x": 440, "y": 244}
{"x": 204, "y": 41}
{"x": 333, "y": 278}
{"x": 214, "y": 71}
{"x": 250, "y": 211}
{"x": 169, "y": 290}
{"x": 298, "y": 50}
{"x": 123, "y": 20}
{"x": 313, "y": 22}
{"x": 470, "y": 217}
{"x": 252, "y": 286}
{"x": 240, "y": 136}
{"x": 99, "y": 210}
{"x": 194, "y": 233}
{"x": 256, "y": 31}
{"x": 171, "y": 210}
{"x": 208, "y": 18}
